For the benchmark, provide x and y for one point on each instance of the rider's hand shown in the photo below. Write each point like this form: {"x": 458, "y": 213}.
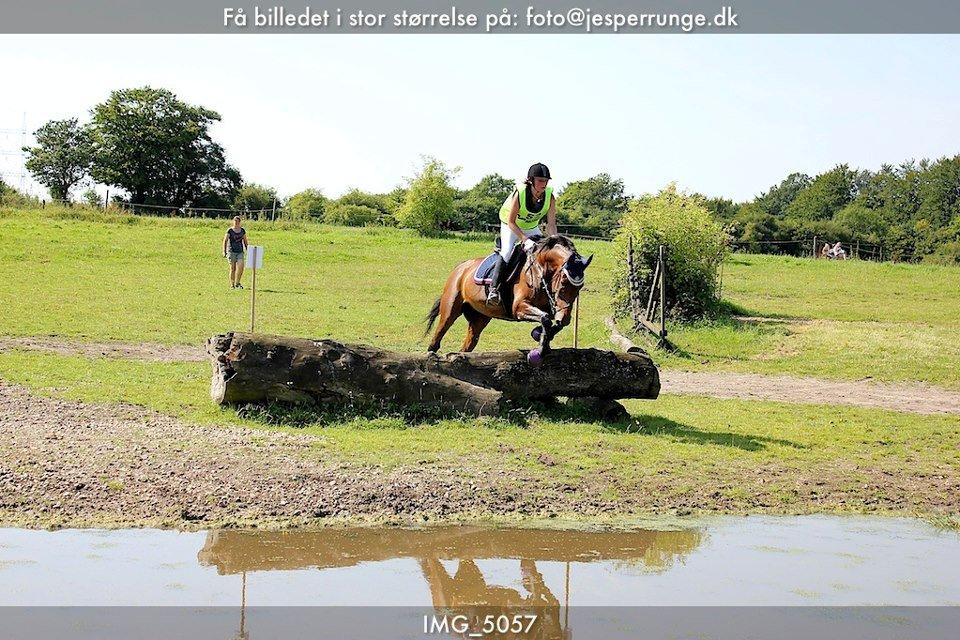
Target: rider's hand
{"x": 528, "y": 245}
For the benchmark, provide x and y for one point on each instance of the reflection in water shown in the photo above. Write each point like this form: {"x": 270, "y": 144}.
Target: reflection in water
{"x": 464, "y": 591}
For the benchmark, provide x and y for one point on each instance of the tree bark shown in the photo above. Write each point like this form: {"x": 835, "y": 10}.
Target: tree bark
{"x": 262, "y": 368}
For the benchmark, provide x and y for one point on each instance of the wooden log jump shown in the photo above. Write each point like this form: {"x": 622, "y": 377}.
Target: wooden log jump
{"x": 262, "y": 368}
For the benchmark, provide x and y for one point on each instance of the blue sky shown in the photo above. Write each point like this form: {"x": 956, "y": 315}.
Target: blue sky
{"x": 719, "y": 114}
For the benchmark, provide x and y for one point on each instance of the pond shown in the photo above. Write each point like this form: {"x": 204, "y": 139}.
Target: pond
{"x": 390, "y": 582}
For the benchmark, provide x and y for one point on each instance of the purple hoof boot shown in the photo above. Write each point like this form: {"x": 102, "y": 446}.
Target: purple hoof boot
{"x": 535, "y": 357}
{"x": 536, "y": 333}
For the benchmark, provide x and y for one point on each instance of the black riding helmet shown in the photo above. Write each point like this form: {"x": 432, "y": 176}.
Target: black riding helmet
{"x": 538, "y": 170}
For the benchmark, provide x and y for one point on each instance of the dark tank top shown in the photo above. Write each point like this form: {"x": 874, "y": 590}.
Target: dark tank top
{"x": 236, "y": 239}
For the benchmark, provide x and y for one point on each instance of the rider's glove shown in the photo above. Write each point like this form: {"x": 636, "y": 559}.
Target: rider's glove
{"x": 528, "y": 245}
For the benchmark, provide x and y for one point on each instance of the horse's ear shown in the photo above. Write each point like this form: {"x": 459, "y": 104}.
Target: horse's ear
{"x": 586, "y": 263}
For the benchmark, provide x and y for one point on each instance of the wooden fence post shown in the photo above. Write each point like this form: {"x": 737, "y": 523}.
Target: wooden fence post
{"x": 814, "y": 247}
{"x": 663, "y": 298}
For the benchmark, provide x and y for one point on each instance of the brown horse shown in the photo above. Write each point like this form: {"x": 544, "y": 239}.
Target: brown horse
{"x": 549, "y": 283}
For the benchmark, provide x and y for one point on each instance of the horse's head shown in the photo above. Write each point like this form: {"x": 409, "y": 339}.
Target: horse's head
{"x": 563, "y": 270}
{"x": 574, "y": 269}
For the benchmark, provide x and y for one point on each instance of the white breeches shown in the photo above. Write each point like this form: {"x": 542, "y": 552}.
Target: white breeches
{"x": 508, "y": 239}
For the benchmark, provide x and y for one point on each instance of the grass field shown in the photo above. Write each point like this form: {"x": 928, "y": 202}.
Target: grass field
{"x": 161, "y": 280}
{"x": 678, "y": 453}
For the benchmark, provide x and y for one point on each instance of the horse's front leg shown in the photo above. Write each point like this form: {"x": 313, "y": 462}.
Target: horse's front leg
{"x": 526, "y": 311}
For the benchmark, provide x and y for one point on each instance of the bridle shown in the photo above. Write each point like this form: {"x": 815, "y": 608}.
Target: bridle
{"x": 552, "y": 296}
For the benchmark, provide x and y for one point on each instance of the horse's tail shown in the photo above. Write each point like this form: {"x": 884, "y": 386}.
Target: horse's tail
{"x": 431, "y": 317}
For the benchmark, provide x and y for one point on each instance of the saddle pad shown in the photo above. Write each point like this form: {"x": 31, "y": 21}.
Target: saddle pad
{"x": 482, "y": 274}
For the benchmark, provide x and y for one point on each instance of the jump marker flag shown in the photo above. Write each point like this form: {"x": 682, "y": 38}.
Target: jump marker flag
{"x": 254, "y": 261}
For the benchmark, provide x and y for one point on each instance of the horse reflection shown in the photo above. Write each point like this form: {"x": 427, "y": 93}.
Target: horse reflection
{"x": 464, "y": 591}
{"x": 467, "y": 593}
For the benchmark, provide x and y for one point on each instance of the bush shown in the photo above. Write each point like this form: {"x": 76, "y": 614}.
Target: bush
{"x": 10, "y": 197}
{"x": 351, "y": 215}
{"x": 364, "y": 199}
{"x": 695, "y": 248}
{"x": 428, "y": 205}
{"x": 305, "y": 205}
{"x": 948, "y": 254}
{"x": 254, "y": 197}
{"x": 92, "y": 199}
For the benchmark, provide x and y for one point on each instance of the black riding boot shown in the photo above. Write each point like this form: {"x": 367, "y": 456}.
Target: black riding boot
{"x": 493, "y": 295}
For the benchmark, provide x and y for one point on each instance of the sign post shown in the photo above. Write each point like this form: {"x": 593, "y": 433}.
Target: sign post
{"x": 254, "y": 261}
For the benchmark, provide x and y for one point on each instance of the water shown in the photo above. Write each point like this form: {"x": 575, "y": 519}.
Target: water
{"x": 744, "y": 562}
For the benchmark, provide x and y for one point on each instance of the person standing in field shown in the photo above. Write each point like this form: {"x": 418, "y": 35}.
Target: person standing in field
{"x": 235, "y": 240}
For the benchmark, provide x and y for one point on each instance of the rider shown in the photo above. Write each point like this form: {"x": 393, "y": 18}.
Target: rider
{"x": 520, "y": 217}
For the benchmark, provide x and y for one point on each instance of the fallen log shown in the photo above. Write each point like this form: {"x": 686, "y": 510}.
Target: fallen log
{"x": 617, "y": 339}
{"x": 262, "y": 368}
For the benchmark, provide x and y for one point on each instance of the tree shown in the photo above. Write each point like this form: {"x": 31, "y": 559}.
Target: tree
{"x": 596, "y": 203}
{"x": 61, "y": 157}
{"x": 722, "y": 208}
{"x": 393, "y": 201}
{"x": 428, "y": 205}
{"x": 752, "y": 226}
{"x": 827, "y": 194}
{"x": 309, "y": 203}
{"x": 862, "y": 222}
{"x": 159, "y": 149}
{"x": 940, "y": 192}
{"x": 256, "y": 197}
{"x": 778, "y": 198}
{"x": 479, "y": 206}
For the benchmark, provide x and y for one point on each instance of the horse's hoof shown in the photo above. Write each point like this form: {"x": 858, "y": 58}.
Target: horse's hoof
{"x": 535, "y": 357}
{"x": 536, "y": 333}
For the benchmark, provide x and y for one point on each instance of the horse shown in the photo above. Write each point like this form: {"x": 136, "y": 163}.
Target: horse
{"x": 544, "y": 292}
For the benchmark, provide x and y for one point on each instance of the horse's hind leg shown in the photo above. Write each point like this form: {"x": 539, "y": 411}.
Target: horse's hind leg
{"x": 450, "y": 309}
{"x": 478, "y": 323}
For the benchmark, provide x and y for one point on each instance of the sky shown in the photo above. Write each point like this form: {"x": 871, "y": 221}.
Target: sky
{"x": 723, "y": 115}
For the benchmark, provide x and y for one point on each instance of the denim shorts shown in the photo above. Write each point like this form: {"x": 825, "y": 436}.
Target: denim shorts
{"x": 235, "y": 256}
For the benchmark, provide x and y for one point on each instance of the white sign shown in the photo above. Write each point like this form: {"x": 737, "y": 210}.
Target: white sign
{"x": 254, "y": 257}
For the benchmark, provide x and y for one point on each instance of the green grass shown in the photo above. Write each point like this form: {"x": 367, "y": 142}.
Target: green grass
{"x": 79, "y": 274}
{"x": 737, "y": 450}
{"x": 843, "y": 320}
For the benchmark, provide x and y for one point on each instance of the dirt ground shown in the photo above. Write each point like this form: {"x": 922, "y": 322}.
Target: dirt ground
{"x": 905, "y": 397}
{"x": 69, "y": 464}
{"x": 125, "y": 350}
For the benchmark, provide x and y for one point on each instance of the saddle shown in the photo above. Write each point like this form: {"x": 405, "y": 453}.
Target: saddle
{"x": 482, "y": 274}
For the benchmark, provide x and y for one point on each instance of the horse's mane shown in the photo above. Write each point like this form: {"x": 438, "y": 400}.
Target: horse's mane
{"x": 534, "y": 270}
{"x": 549, "y": 242}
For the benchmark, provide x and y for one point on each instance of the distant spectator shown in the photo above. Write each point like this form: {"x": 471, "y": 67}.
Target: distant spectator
{"x": 836, "y": 252}
{"x": 236, "y": 241}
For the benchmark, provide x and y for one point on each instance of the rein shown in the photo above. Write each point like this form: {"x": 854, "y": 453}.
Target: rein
{"x": 551, "y": 296}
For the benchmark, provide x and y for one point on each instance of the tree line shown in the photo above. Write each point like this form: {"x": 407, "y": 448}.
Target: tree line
{"x": 155, "y": 149}
{"x": 911, "y": 210}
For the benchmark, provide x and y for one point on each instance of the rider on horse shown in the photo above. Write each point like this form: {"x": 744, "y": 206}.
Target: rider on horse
{"x": 520, "y": 217}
